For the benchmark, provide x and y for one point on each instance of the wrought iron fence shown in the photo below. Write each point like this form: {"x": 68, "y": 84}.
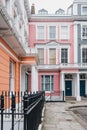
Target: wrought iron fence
{"x": 21, "y": 111}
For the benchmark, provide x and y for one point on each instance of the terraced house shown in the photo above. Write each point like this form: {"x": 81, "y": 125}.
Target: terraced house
{"x": 43, "y": 51}
{"x": 60, "y": 41}
{"x": 14, "y": 57}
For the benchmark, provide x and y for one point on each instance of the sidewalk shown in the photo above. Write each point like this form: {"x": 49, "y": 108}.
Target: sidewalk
{"x": 57, "y": 117}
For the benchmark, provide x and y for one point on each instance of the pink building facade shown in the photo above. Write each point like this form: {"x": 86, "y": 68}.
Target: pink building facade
{"x": 52, "y": 39}
{"x": 60, "y": 43}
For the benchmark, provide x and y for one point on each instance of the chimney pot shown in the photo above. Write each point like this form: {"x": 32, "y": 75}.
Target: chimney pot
{"x": 33, "y": 9}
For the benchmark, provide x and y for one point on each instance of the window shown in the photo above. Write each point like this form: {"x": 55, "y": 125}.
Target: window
{"x": 52, "y": 32}
{"x": 40, "y": 32}
{"x": 84, "y": 10}
{"x": 11, "y": 75}
{"x": 84, "y": 31}
{"x": 52, "y": 56}
{"x": 42, "y": 11}
{"x": 26, "y": 81}
{"x": 84, "y": 55}
{"x": 41, "y": 55}
{"x": 60, "y": 12}
{"x": 64, "y": 55}
{"x": 68, "y": 76}
{"x": 64, "y": 32}
{"x": 82, "y": 76}
{"x": 47, "y": 82}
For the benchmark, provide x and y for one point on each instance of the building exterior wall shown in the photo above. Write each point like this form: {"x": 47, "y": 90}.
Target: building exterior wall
{"x": 7, "y": 54}
{"x": 19, "y": 44}
{"x": 14, "y": 45}
{"x": 74, "y": 20}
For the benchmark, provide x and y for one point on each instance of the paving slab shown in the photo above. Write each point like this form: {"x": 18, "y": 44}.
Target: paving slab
{"x": 57, "y": 117}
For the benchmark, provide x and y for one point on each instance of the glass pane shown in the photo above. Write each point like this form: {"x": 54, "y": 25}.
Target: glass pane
{"x": 43, "y": 87}
{"x": 40, "y": 32}
{"x": 41, "y": 55}
{"x": 47, "y": 79}
{"x": 52, "y": 32}
{"x": 85, "y": 10}
{"x": 64, "y": 55}
{"x": 52, "y": 56}
{"x": 51, "y": 86}
{"x": 47, "y": 87}
{"x": 84, "y": 55}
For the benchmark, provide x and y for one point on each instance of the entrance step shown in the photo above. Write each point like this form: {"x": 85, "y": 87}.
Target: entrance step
{"x": 70, "y": 98}
{"x": 84, "y": 98}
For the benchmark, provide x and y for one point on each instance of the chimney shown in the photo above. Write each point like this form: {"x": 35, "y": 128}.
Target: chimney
{"x": 33, "y": 9}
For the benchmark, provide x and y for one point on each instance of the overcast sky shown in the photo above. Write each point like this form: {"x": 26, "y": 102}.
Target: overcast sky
{"x": 51, "y": 5}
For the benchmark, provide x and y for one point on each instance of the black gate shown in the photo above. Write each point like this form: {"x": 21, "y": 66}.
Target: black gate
{"x": 21, "y": 111}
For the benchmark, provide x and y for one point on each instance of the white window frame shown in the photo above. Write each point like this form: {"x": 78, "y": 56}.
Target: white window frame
{"x": 56, "y": 36}
{"x": 53, "y": 47}
{"x": 82, "y": 13}
{"x": 68, "y": 48}
{"x": 82, "y": 31}
{"x": 42, "y": 47}
{"x": 68, "y": 36}
{"x": 11, "y": 75}
{"x": 37, "y": 32}
{"x": 83, "y": 47}
{"x": 50, "y": 82}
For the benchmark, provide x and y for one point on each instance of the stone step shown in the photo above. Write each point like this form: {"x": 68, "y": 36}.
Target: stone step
{"x": 70, "y": 98}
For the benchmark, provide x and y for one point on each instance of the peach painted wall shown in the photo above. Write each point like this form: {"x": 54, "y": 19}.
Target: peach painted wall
{"x": 17, "y": 76}
{"x": 56, "y": 79}
{"x": 4, "y": 70}
{"x": 28, "y": 60}
{"x": 5, "y": 58}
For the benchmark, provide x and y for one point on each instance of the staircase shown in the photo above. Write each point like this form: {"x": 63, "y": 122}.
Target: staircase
{"x": 70, "y": 98}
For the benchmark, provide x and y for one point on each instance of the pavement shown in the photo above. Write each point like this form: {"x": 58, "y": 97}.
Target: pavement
{"x": 59, "y": 116}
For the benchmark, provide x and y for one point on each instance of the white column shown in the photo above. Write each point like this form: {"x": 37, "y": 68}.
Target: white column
{"x": 75, "y": 43}
{"x": 34, "y": 85}
{"x": 36, "y": 79}
{"x": 86, "y": 86}
{"x": 62, "y": 82}
{"x": 78, "y": 98}
{"x": 75, "y": 83}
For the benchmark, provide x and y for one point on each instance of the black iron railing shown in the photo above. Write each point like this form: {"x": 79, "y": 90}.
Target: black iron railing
{"x": 21, "y": 110}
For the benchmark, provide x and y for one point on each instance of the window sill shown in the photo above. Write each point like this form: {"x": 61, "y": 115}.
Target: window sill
{"x": 84, "y": 38}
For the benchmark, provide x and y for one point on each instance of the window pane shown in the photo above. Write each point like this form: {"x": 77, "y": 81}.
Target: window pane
{"x": 84, "y": 9}
{"x": 11, "y": 76}
{"x": 64, "y": 55}
{"x": 52, "y": 56}
{"x": 84, "y": 31}
{"x": 64, "y": 32}
{"x": 47, "y": 82}
{"x": 41, "y": 55}
{"x": 84, "y": 55}
{"x": 40, "y": 32}
{"x": 52, "y": 32}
